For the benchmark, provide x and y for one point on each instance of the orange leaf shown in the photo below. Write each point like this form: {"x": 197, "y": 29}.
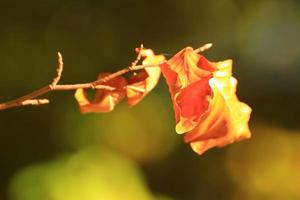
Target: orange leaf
{"x": 204, "y": 100}
{"x": 187, "y": 75}
{"x": 227, "y": 118}
{"x": 104, "y": 100}
{"x": 141, "y": 83}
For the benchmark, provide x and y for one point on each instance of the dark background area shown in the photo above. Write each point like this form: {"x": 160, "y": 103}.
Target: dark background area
{"x": 54, "y": 152}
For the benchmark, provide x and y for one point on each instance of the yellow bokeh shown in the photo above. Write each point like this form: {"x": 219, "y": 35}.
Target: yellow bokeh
{"x": 268, "y": 166}
{"x": 91, "y": 174}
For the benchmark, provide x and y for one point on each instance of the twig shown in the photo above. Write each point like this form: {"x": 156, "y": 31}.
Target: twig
{"x": 30, "y": 99}
{"x": 59, "y": 69}
{"x": 203, "y": 48}
{"x": 35, "y": 102}
{"x": 121, "y": 72}
{"x": 139, "y": 56}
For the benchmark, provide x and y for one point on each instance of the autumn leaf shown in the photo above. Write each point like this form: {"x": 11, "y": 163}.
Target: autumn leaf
{"x": 206, "y": 107}
{"x": 227, "y": 118}
{"x": 187, "y": 75}
{"x": 104, "y": 100}
{"x": 135, "y": 88}
{"x": 141, "y": 83}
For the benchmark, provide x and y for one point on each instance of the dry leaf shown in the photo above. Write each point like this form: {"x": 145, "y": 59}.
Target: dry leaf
{"x": 187, "y": 75}
{"x": 141, "y": 83}
{"x": 204, "y": 100}
{"x": 104, "y": 100}
{"x": 226, "y": 120}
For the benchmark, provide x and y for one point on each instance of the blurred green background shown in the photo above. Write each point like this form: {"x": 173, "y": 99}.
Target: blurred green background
{"x": 53, "y": 152}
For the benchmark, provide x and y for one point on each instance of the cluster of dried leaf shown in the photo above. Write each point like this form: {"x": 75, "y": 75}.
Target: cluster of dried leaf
{"x": 203, "y": 93}
{"x": 135, "y": 88}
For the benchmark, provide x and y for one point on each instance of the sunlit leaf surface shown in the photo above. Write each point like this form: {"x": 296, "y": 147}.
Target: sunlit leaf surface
{"x": 104, "y": 100}
{"x": 204, "y": 99}
{"x": 140, "y": 84}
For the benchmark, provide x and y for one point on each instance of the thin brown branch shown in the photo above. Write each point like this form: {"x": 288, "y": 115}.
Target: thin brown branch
{"x": 30, "y": 99}
{"x": 81, "y": 85}
{"x": 15, "y": 103}
{"x": 121, "y": 72}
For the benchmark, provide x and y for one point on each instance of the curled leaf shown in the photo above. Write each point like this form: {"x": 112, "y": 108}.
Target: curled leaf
{"x": 203, "y": 95}
{"x": 226, "y": 120}
{"x": 104, "y": 100}
{"x": 141, "y": 83}
{"x": 187, "y": 75}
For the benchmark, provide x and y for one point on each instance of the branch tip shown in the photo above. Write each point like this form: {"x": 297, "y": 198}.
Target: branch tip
{"x": 59, "y": 69}
{"x": 203, "y": 48}
{"x": 139, "y": 55}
